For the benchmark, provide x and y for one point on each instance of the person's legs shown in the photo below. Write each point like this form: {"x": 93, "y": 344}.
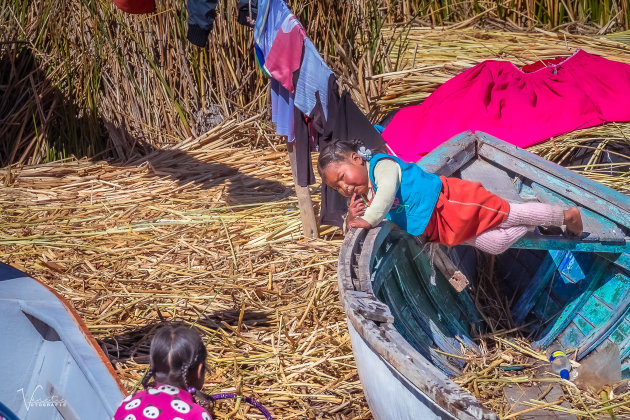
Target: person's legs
{"x": 541, "y": 214}
{"x": 497, "y": 240}
{"x": 534, "y": 214}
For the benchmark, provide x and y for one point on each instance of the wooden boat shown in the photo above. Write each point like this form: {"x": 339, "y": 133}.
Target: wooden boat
{"x": 52, "y": 368}
{"x": 403, "y": 316}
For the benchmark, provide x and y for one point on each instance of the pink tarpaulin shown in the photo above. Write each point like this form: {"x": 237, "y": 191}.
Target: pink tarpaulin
{"x": 522, "y": 108}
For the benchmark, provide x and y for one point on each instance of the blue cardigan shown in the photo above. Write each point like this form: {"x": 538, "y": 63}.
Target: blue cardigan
{"x": 416, "y": 197}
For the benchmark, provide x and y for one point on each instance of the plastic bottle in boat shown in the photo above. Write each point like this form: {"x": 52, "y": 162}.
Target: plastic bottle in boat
{"x": 560, "y": 363}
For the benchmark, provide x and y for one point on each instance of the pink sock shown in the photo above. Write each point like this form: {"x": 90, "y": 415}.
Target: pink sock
{"x": 496, "y": 241}
{"x": 534, "y": 214}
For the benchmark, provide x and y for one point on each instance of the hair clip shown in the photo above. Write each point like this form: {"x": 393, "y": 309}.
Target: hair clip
{"x": 192, "y": 390}
{"x": 365, "y": 153}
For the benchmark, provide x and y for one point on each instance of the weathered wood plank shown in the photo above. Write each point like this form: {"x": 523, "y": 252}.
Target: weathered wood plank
{"x": 305, "y": 203}
{"x": 451, "y": 155}
{"x": 372, "y": 243}
{"x": 598, "y": 228}
{"x": 590, "y": 194}
{"x": 492, "y": 178}
{"x": 536, "y": 241}
{"x": 455, "y": 277}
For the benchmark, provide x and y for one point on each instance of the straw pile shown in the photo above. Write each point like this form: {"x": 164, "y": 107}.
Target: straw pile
{"x": 421, "y": 59}
{"x": 212, "y": 238}
{"x": 511, "y": 366}
{"x": 204, "y": 228}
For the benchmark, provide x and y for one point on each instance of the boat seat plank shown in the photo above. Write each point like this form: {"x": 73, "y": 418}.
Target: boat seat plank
{"x": 492, "y": 178}
{"x": 605, "y": 201}
{"x": 598, "y": 228}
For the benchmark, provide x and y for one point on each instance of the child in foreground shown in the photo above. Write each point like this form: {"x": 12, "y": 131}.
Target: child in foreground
{"x": 449, "y": 211}
{"x": 178, "y": 365}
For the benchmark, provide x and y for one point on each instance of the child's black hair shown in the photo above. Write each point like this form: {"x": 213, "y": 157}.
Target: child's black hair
{"x": 336, "y": 151}
{"x": 176, "y": 351}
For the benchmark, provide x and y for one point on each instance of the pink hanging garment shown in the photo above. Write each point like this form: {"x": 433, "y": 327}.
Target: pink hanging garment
{"x": 496, "y": 97}
{"x": 286, "y": 52}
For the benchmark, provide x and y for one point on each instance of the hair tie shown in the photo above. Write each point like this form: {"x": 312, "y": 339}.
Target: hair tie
{"x": 192, "y": 390}
{"x": 365, "y": 153}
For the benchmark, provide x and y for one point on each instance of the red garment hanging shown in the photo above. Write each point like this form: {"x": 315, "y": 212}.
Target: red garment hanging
{"x": 136, "y": 6}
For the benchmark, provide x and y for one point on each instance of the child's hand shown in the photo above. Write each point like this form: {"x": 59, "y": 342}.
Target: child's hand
{"x": 356, "y": 208}
{"x": 359, "y": 223}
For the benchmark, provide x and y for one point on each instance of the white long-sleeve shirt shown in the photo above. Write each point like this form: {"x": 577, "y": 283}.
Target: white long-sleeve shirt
{"x": 387, "y": 177}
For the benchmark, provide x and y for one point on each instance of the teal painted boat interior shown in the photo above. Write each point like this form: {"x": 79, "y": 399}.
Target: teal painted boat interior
{"x": 581, "y": 299}
{"x": 574, "y": 290}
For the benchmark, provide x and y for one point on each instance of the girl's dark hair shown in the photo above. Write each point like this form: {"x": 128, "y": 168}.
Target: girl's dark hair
{"x": 176, "y": 351}
{"x": 336, "y": 151}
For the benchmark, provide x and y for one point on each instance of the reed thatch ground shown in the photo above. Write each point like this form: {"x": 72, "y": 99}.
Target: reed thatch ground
{"x": 205, "y": 230}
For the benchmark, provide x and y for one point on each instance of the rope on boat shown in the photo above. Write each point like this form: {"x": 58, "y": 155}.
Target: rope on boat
{"x": 250, "y": 401}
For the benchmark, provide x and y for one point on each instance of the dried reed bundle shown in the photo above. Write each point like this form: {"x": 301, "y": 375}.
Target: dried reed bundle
{"x": 424, "y": 59}
{"x": 210, "y": 237}
{"x": 507, "y": 369}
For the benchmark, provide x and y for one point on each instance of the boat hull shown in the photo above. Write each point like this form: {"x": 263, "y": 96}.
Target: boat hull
{"x": 406, "y": 319}
{"x": 389, "y": 394}
{"x": 52, "y": 368}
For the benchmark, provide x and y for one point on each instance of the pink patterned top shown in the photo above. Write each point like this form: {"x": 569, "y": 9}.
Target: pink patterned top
{"x": 163, "y": 402}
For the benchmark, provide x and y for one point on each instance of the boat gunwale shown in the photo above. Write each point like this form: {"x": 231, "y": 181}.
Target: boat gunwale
{"x": 373, "y": 321}
{"x": 34, "y": 308}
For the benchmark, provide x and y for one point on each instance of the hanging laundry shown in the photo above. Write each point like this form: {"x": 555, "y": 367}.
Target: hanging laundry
{"x": 271, "y": 15}
{"x": 201, "y": 15}
{"x": 282, "y": 110}
{"x": 279, "y": 40}
{"x": 496, "y": 97}
{"x": 313, "y": 79}
{"x": 345, "y": 121}
{"x": 285, "y": 54}
{"x": 136, "y": 6}
{"x": 305, "y": 101}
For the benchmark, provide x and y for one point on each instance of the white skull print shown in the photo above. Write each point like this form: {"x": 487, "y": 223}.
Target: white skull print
{"x": 180, "y": 406}
{"x": 151, "y": 412}
{"x": 132, "y": 404}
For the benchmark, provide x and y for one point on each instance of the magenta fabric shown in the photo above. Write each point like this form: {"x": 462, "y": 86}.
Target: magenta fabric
{"x": 163, "y": 402}
{"x": 285, "y": 54}
{"x": 521, "y": 108}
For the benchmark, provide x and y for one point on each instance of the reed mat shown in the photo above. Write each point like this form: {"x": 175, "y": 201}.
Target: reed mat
{"x": 201, "y": 225}
{"x": 510, "y": 366}
{"x": 209, "y": 237}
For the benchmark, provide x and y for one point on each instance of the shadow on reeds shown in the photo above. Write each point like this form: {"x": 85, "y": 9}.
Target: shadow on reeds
{"x": 134, "y": 345}
{"x": 38, "y": 123}
{"x": 184, "y": 169}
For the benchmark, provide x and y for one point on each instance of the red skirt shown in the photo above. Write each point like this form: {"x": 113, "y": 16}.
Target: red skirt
{"x": 464, "y": 210}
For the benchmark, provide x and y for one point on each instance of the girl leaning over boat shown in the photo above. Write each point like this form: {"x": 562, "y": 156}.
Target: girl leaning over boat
{"x": 177, "y": 368}
{"x": 449, "y": 211}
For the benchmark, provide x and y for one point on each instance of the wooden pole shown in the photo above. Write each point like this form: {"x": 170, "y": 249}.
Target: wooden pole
{"x": 307, "y": 214}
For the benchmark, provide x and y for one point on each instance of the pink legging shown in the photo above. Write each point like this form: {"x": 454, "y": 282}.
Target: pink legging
{"x": 521, "y": 216}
